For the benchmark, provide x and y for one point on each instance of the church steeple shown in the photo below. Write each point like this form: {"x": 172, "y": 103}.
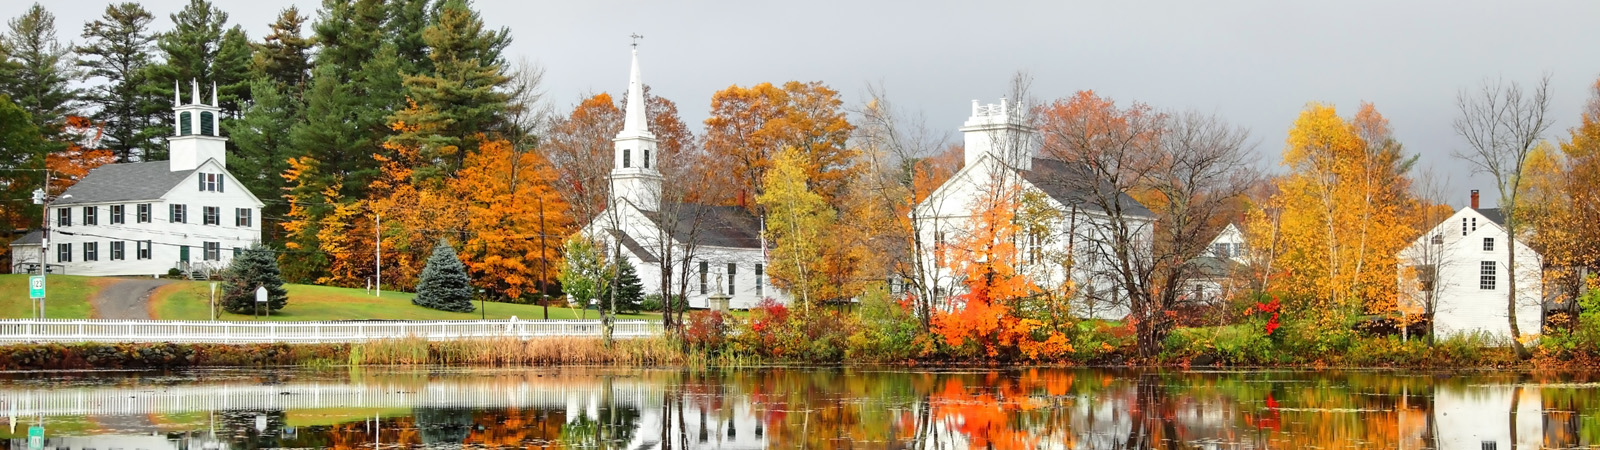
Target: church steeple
{"x": 634, "y": 177}
{"x": 196, "y": 130}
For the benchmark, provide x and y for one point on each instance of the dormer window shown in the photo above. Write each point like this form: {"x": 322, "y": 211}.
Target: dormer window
{"x": 1438, "y": 239}
{"x": 627, "y": 156}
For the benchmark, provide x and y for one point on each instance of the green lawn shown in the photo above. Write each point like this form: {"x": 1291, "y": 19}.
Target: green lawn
{"x": 189, "y": 300}
{"x": 66, "y": 296}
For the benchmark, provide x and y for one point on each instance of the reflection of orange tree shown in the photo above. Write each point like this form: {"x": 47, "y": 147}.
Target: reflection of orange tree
{"x": 989, "y": 413}
{"x": 984, "y": 320}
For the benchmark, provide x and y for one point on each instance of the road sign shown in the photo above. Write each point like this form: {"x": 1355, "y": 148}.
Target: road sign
{"x": 36, "y": 287}
{"x": 35, "y": 437}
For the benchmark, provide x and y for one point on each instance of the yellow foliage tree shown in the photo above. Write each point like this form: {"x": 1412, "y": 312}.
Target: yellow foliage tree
{"x": 516, "y": 221}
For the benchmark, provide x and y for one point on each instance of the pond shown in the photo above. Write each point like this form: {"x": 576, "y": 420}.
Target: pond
{"x": 821, "y": 408}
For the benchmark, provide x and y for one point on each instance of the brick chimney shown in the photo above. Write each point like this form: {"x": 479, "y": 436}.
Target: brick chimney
{"x": 1474, "y": 199}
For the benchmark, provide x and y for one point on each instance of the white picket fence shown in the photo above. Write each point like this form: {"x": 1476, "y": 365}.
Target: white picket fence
{"x": 74, "y": 330}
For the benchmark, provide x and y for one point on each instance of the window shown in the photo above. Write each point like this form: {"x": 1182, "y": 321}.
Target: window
{"x": 1474, "y": 224}
{"x": 1035, "y": 247}
{"x": 732, "y": 268}
{"x": 210, "y": 182}
{"x": 143, "y": 247}
{"x": 1486, "y": 275}
{"x": 91, "y": 251}
{"x": 118, "y": 250}
{"x": 1438, "y": 239}
{"x": 117, "y": 217}
{"x": 237, "y": 251}
{"x": 703, "y": 268}
{"x": 185, "y": 128}
{"x": 91, "y": 216}
{"x": 64, "y": 217}
{"x": 64, "y": 252}
{"x": 144, "y": 213}
{"x": 213, "y": 251}
{"x": 210, "y": 215}
{"x": 207, "y": 128}
{"x": 1488, "y": 244}
{"x": 761, "y": 283}
{"x": 1463, "y": 226}
{"x": 647, "y": 158}
{"x": 179, "y": 214}
{"x": 627, "y": 156}
{"x": 241, "y": 217}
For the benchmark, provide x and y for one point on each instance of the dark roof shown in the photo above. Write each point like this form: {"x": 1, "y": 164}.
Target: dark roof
{"x": 1063, "y": 182}
{"x": 124, "y": 182}
{"x": 633, "y": 246}
{"x": 716, "y": 226}
{"x": 1494, "y": 215}
{"x": 32, "y": 238}
{"x": 1214, "y": 267}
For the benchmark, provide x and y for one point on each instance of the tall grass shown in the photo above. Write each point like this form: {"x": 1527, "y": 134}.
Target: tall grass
{"x": 510, "y": 351}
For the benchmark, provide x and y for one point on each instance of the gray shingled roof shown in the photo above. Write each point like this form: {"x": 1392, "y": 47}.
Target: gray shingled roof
{"x": 124, "y": 182}
{"x": 1061, "y": 182}
{"x": 32, "y": 238}
{"x": 634, "y": 246}
{"x": 716, "y": 226}
{"x": 1494, "y": 215}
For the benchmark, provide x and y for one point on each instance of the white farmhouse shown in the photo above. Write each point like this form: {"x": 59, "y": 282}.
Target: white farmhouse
{"x": 1217, "y": 271}
{"x": 1461, "y": 264}
{"x": 146, "y": 218}
{"x": 999, "y": 158}
{"x": 721, "y": 245}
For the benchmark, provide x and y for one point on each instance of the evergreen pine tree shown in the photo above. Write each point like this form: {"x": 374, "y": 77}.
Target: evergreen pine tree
{"x": 21, "y": 146}
{"x": 630, "y": 291}
{"x": 443, "y": 284}
{"x": 256, "y": 267}
{"x": 263, "y": 148}
{"x": 461, "y": 97}
{"x": 283, "y": 56}
{"x": 189, "y": 49}
{"x": 230, "y": 70}
{"x": 39, "y": 66}
{"x": 117, "y": 49}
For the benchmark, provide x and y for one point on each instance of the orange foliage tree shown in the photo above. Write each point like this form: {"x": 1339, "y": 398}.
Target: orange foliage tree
{"x": 749, "y": 126}
{"x": 511, "y": 205}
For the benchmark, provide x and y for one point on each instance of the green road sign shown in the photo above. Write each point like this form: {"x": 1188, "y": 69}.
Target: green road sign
{"x": 36, "y": 287}
{"x": 35, "y": 437}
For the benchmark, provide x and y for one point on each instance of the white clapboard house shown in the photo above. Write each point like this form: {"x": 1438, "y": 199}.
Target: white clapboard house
{"x": 724, "y": 242}
{"x": 146, "y": 218}
{"x": 1462, "y": 265}
{"x": 999, "y": 155}
{"x": 1217, "y": 272}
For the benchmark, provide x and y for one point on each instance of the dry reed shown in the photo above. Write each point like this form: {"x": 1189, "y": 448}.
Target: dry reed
{"x": 511, "y": 351}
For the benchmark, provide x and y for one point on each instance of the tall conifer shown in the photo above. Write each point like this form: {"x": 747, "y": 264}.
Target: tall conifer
{"x": 117, "y": 50}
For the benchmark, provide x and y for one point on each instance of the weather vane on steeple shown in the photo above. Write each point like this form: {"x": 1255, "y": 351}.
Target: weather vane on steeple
{"x": 636, "y": 39}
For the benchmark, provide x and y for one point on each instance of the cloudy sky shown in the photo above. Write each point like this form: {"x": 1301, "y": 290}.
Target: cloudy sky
{"x": 1255, "y": 63}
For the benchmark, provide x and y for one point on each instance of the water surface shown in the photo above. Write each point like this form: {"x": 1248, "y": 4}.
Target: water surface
{"x": 559, "y": 408}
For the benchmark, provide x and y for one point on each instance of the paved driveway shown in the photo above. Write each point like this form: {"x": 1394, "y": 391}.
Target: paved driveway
{"x": 125, "y": 299}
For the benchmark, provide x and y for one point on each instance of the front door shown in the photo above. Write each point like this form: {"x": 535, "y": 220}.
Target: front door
{"x": 183, "y": 253}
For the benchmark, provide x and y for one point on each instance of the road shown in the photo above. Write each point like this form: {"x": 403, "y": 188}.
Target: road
{"x": 125, "y": 299}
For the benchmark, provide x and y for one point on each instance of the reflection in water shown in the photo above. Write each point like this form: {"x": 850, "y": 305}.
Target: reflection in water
{"x": 800, "y": 408}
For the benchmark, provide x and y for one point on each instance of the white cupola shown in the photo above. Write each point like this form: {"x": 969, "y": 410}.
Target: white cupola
{"x": 197, "y": 130}
{"x": 999, "y": 130}
{"x": 634, "y": 176}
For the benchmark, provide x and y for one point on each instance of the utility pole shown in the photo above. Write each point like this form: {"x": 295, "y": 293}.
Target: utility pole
{"x": 544, "y": 262}
{"x": 44, "y": 240}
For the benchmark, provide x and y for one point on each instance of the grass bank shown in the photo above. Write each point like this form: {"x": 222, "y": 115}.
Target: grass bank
{"x": 190, "y": 300}
{"x": 66, "y": 296}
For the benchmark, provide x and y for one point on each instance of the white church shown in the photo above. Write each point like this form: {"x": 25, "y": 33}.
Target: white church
{"x": 722, "y": 245}
{"x": 999, "y": 157}
{"x": 146, "y": 218}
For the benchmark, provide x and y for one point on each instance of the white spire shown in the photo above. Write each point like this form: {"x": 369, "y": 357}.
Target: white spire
{"x": 176, "y": 100}
{"x": 195, "y": 97}
{"x": 213, "y": 94}
{"x": 634, "y": 122}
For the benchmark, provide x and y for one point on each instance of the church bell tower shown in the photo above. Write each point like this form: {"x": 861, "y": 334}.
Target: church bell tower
{"x": 634, "y": 177}
{"x": 197, "y": 133}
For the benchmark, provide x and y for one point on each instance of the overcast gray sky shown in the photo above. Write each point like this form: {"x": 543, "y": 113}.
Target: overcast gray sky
{"x": 1256, "y": 63}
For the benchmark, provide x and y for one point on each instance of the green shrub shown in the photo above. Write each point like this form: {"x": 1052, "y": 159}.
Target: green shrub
{"x": 444, "y": 284}
{"x": 887, "y": 332}
{"x": 256, "y": 267}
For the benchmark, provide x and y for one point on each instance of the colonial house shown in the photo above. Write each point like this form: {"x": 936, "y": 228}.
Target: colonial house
{"x": 1067, "y": 247}
{"x": 1217, "y": 271}
{"x": 721, "y": 246}
{"x": 1461, "y": 267}
{"x": 145, "y": 218}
